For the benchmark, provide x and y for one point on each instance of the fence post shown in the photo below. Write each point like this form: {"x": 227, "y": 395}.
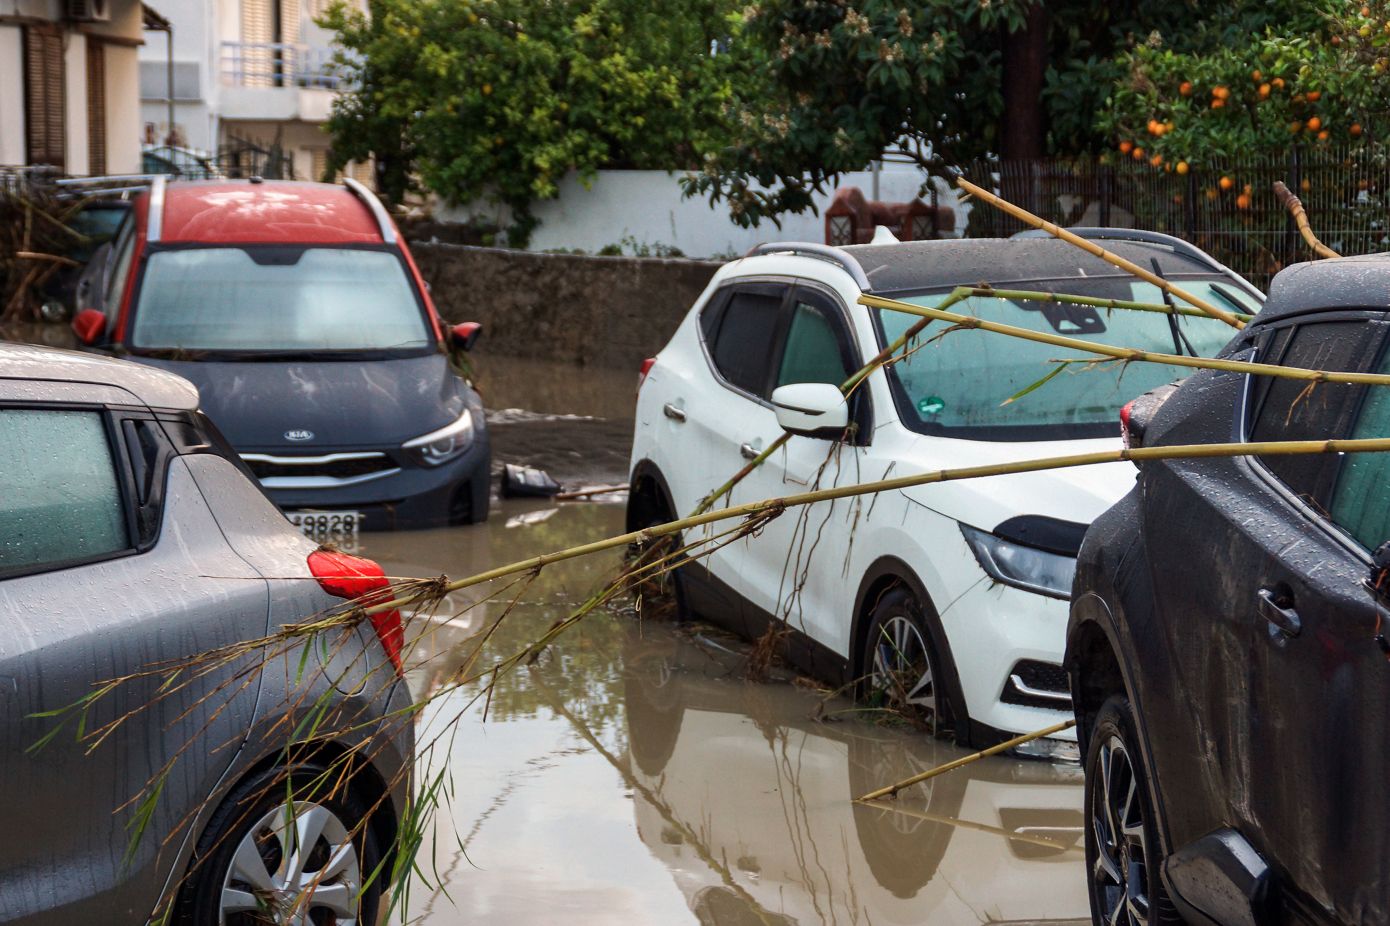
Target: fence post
{"x": 1106, "y": 181}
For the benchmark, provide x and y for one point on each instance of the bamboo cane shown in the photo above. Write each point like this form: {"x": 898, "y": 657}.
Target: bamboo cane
{"x": 1292, "y": 203}
{"x": 1129, "y": 353}
{"x": 893, "y": 789}
{"x": 1019, "y": 295}
{"x": 774, "y": 506}
{"x": 1092, "y": 248}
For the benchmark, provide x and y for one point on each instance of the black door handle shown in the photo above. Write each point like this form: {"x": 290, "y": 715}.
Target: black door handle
{"x": 1277, "y": 608}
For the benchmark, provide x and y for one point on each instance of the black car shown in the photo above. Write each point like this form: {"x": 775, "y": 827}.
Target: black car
{"x": 1227, "y": 643}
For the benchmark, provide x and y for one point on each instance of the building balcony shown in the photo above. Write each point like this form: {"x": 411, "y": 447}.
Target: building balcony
{"x": 266, "y": 81}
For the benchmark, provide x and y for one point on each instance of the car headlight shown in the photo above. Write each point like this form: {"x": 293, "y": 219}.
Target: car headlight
{"x": 439, "y": 447}
{"x": 1022, "y": 567}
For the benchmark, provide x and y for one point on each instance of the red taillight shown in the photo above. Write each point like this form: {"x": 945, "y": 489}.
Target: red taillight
{"x": 643, "y": 371}
{"x": 355, "y": 577}
{"x": 1125, "y": 414}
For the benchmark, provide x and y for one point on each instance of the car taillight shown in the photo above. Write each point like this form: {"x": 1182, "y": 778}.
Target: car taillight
{"x": 354, "y": 577}
{"x": 1125, "y": 414}
{"x": 643, "y": 371}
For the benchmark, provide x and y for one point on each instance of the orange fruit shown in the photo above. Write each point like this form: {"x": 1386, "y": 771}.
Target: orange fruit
{"x": 487, "y": 89}
{"x": 1323, "y": 135}
{"x": 1220, "y": 93}
{"x": 1156, "y": 160}
{"x": 1306, "y": 185}
{"x": 1336, "y": 40}
{"x": 1355, "y": 130}
{"x": 1185, "y": 88}
{"x": 1314, "y": 96}
{"x": 1212, "y": 194}
{"x": 1125, "y": 146}
{"x": 1248, "y": 189}
{"x": 1264, "y": 91}
{"x": 1243, "y": 201}
{"x": 1226, "y": 183}
{"x": 1278, "y": 83}
{"x": 1295, "y": 127}
{"x": 1365, "y": 11}
{"x": 1314, "y": 123}
{"x": 1217, "y": 104}
{"x": 1183, "y": 167}
{"x": 1138, "y": 154}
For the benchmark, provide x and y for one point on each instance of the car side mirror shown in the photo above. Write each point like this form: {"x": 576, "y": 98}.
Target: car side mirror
{"x": 812, "y": 410}
{"x": 465, "y": 334}
{"x": 89, "y": 325}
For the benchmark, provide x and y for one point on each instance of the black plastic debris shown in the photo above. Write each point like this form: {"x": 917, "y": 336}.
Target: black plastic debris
{"x": 526, "y": 482}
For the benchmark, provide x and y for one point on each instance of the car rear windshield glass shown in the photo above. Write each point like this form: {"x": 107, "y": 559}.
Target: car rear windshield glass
{"x": 962, "y": 379}
{"x": 277, "y": 299}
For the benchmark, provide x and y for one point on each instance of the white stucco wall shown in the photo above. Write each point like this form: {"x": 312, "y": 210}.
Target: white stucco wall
{"x": 11, "y": 95}
{"x": 75, "y": 101}
{"x": 647, "y": 206}
{"x": 123, "y": 123}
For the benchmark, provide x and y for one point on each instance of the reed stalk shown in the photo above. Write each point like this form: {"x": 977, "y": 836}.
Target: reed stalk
{"x": 1019, "y": 295}
{"x": 1091, "y": 247}
{"x": 1292, "y": 203}
{"x": 1129, "y": 354}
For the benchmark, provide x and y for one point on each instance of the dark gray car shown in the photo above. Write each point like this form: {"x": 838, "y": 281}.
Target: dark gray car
{"x": 131, "y": 537}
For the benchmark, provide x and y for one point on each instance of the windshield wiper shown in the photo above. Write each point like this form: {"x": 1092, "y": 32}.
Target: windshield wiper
{"x": 1179, "y": 336}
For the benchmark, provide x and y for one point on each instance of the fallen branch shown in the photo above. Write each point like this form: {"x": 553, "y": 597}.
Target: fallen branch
{"x": 1129, "y": 354}
{"x": 1292, "y": 203}
{"x": 585, "y": 493}
{"x": 1091, "y": 247}
{"x": 893, "y": 789}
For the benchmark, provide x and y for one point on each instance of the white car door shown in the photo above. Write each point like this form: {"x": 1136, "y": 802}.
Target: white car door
{"x": 797, "y": 570}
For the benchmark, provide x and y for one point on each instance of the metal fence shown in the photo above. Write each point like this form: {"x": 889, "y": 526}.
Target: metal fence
{"x": 276, "y": 64}
{"x": 1227, "y": 207}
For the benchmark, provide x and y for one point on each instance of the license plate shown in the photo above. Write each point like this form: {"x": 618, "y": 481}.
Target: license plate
{"x": 327, "y": 523}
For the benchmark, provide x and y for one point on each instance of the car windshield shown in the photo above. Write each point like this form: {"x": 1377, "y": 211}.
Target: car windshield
{"x": 960, "y": 381}
{"x": 277, "y": 299}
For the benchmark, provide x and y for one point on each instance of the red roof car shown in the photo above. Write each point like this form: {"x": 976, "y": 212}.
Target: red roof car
{"x": 299, "y": 313}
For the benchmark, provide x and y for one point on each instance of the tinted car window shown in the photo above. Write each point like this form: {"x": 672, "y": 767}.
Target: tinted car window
{"x": 814, "y": 353}
{"x": 1289, "y": 409}
{"x": 743, "y": 345}
{"x": 1361, "y": 501}
{"x": 60, "y": 501}
{"x": 120, "y": 268}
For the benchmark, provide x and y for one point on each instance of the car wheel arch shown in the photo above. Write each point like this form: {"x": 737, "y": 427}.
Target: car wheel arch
{"x": 646, "y": 485}
{"x": 884, "y": 574}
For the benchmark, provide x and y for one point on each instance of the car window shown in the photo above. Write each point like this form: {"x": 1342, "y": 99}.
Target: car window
{"x": 61, "y": 502}
{"x": 1291, "y": 410}
{"x": 120, "y": 268}
{"x": 743, "y": 346}
{"x": 814, "y": 351}
{"x": 1361, "y": 499}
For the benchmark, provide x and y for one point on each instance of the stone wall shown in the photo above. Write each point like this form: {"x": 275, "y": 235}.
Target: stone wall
{"x": 604, "y": 311}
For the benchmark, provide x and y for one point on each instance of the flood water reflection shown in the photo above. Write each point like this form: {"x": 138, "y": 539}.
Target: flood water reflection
{"x": 635, "y": 776}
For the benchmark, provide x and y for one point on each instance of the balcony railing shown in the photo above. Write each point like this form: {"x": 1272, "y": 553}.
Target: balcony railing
{"x": 272, "y": 64}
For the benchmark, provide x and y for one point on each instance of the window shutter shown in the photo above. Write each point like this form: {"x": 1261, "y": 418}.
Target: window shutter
{"x": 96, "y": 107}
{"x": 257, "y": 28}
{"x": 289, "y": 22}
{"x": 45, "y": 104}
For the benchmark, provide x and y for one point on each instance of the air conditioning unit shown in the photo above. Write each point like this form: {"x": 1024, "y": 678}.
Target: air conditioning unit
{"x": 89, "y": 11}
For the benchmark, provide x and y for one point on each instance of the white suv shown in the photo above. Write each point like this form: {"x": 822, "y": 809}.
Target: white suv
{"x": 949, "y": 597}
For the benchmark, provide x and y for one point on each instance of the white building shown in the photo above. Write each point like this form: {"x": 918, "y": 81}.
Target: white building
{"x": 253, "y": 71}
{"x": 69, "y": 83}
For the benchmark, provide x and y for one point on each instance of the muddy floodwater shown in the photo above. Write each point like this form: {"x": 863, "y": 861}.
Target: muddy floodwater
{"x": 634, "y": 774}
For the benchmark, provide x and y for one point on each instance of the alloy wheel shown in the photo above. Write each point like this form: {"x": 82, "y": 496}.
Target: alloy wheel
{"x": 902, "y": 666}
{"x": 1120, "y": 874}
{"x": 297, "y": 866}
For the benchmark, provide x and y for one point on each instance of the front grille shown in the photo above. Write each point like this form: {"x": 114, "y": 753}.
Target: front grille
{"x": 337, "y": 468}
{"x": 1037, "y": 684}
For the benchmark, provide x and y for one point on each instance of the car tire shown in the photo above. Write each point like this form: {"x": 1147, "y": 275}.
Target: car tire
{"x": 1123, "y": 852}
{"x": 646, "y": 509}
{"x": 901, "y": 665}
{"x": 243, "y": 856}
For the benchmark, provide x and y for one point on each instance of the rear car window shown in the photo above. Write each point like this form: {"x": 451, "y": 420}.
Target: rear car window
{"x": 743, "y": 346}
{"x": 1290, "y": 409}
{"x": 61, "y": 502}
{"x": 274, "y": 299}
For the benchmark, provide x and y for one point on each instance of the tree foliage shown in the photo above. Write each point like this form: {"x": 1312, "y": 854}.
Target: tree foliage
{"x": 1317, "y": 77}
{"x": 500, "y": 99}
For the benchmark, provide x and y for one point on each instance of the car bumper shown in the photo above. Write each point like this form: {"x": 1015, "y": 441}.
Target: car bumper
{"x": 992, "y": 628}
{"x": 413, "y": 496}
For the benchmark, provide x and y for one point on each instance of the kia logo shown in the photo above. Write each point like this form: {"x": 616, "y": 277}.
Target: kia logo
{"x": 299, "y": 434}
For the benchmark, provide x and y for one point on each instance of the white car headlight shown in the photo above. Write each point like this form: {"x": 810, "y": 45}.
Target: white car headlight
{"x": 1022, "y": 567}
{"x": 439, "y": 447}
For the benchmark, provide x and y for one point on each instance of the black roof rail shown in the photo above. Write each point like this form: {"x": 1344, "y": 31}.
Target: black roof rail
{"x": 1144, "y": 236}
{"x": 825, "y": 252}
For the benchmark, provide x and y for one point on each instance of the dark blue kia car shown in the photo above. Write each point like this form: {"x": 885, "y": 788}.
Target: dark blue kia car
{"x": 299, "y": 313}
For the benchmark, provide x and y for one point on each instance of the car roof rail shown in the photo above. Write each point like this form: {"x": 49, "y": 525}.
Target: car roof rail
{"x": 383, "y": 221}
{"x": 154, "y": 222}
{"x": 825, "y": 252}
{"x": 1144, "y": 236}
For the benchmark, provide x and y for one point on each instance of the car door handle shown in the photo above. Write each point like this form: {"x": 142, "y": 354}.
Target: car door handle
{"x": 748, "y": 451}
{"x": 673, "y": 412}
{"x": 1278, "y": 610}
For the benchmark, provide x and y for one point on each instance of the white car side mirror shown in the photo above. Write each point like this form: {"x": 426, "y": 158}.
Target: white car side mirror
{"x": 811, "y": 409}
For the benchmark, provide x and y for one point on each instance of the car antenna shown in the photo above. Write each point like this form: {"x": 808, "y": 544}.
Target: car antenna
{"x": 1179, "y": 337}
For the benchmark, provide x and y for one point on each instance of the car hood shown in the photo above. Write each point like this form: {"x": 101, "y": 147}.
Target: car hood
{"x": 340, "y": 403}
{"x": 1077, "y": 494}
